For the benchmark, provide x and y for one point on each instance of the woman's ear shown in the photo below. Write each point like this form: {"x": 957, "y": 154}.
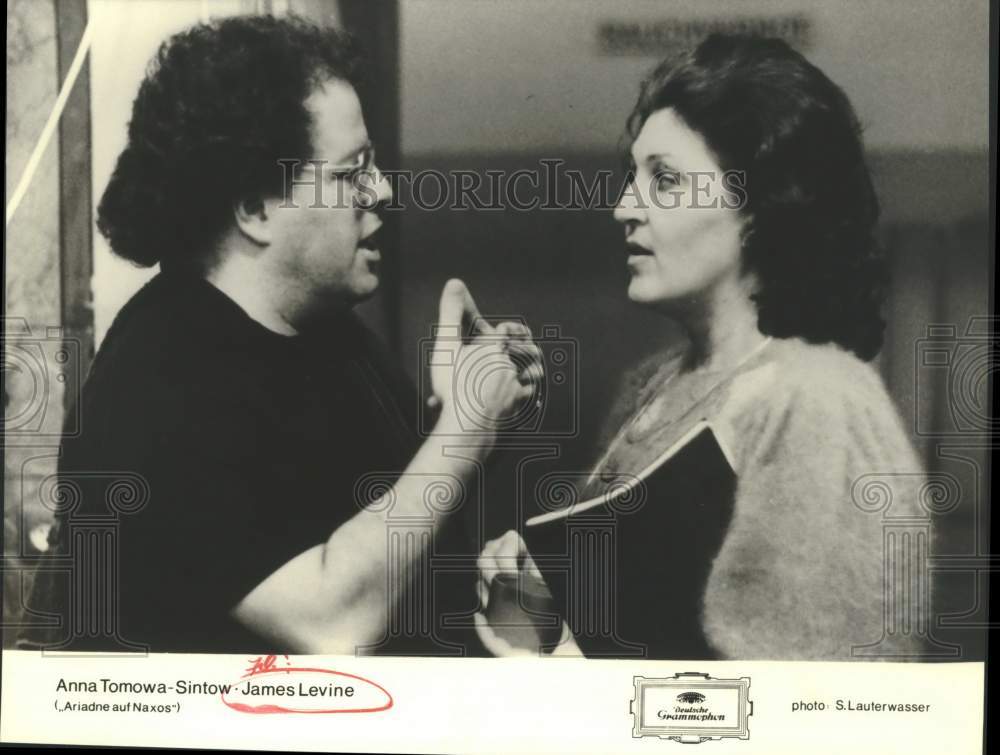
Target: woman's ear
{"x": 253, "y": 220}
{"x": 746, "y": 231}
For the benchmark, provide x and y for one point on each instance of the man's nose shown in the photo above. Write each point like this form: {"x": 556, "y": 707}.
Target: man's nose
{"x": 374, "y": 190}
{"x": 383, "y": 188}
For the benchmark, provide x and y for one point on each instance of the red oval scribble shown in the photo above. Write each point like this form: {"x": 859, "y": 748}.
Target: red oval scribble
{"x": 324, "y": 694}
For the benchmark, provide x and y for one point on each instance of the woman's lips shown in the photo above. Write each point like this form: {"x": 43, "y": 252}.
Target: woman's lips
{"x": 634, "y": 251}
{"x": 633, "y": 248}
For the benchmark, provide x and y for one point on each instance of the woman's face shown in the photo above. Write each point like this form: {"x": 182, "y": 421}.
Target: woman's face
{"x": 681, "y": 217}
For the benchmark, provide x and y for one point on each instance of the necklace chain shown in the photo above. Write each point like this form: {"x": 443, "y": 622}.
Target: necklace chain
{"x": 630, "y": 430}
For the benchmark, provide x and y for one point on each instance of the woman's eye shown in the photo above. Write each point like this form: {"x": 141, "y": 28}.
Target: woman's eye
{"x": 666, "y": 179}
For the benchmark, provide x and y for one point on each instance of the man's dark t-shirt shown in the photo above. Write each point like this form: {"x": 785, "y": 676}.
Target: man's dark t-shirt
{"x": 251, "y": 444}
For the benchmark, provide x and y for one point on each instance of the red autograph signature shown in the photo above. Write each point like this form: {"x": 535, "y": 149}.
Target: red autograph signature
{"x": 266, "y": 687}
{"x": 263, "y": 663}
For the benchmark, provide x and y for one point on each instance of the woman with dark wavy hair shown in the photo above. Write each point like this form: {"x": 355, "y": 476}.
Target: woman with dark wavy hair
{"x": 749, "y": 221}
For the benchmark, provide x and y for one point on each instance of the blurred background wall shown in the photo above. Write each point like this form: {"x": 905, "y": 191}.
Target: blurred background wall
{"x": 485, "y": 85}
{"x": 33, "y": 397}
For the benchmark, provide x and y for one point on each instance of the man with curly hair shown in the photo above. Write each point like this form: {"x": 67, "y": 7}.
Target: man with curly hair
{"x": 239, "y": 385}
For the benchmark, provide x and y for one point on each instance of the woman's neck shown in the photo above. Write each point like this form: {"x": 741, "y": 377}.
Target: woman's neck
{"x": 723, "y": 333}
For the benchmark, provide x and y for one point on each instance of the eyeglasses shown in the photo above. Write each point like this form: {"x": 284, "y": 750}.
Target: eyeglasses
{"x": 363, "y": 176}
{"x": 363, "y": 166}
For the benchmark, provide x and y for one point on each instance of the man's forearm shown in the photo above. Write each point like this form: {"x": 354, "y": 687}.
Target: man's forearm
{"x": 336, "y": 597}
{"x": 363, "y": 585}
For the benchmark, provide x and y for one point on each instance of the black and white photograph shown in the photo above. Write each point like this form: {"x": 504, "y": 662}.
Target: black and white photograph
{"x": 357, "y": 340}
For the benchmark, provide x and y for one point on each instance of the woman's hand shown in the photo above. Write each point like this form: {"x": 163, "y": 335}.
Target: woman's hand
{"x": 508, "y": 556}
{"x": 505, "y": 555}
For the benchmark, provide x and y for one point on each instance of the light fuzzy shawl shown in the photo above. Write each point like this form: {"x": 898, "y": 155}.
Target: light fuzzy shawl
{"x": 824, "y": 473}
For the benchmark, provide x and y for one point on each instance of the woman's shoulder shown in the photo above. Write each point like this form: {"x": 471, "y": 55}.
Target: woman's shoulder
{"x": 798, "y": 395}
{"x": 793, "y": 373}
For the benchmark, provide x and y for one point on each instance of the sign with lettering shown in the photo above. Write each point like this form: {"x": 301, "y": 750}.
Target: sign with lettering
{"x": 659, "y": 37}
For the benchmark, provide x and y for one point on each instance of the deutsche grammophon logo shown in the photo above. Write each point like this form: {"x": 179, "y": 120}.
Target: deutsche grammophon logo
{"x": 691, "y": 707}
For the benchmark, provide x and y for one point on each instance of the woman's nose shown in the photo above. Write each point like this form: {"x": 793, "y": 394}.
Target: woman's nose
{"x": 629, "y": 207}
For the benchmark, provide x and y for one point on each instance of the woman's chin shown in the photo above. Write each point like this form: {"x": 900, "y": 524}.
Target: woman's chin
{"x": 669, "y": 303}
{"x": 643, "y": 294}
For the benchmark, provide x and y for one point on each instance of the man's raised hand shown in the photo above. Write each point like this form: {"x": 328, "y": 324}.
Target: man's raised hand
{"x": 475, "y": 379}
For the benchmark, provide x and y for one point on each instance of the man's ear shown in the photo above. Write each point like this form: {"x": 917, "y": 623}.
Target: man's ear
{"x": 253, "y": 219}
